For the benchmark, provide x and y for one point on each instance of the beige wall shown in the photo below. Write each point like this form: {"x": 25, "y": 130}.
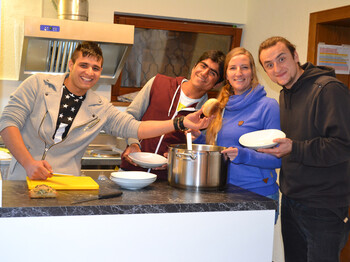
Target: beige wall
{"x": 288, "y": 18}
{"x": 259, "y": 19}
{"x": 13, "y": 11}
{"x": 230, "y": 11}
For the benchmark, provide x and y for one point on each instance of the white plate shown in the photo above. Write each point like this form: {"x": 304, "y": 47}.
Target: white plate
{"x": 133, "y": 175}
{"x": 131, "y": 185}
{"x": 261, "y": 138}
{"x": 148, "y": 160}
{"x": 133, "y": 180}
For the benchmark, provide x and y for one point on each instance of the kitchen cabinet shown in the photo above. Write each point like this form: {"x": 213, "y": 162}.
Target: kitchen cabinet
{"x": 157, "y": 223}
{"x": 330, "y": 27}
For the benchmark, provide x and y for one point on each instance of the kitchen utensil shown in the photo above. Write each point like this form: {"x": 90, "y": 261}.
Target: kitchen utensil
{"x": 133, "y": 180}
{"x": 100, "y": 196}
{"x": 148, "y": 160}
{"x": 61, "y": 174}
{"x": 189, "y": 141}
{"x": 66, "y": 183}
{"x": 202, "y": 168}
{"x": 261, "y": 138}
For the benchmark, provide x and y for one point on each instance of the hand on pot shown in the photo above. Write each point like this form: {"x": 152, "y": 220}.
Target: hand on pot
{"x": 230, "y": 152}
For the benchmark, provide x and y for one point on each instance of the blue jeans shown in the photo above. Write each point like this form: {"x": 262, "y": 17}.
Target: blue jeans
{"x": 312, "y": 234}
{"x": 276, "y": 197}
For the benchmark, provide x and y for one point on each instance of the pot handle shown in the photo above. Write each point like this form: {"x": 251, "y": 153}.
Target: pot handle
{"x": 191, "y": 155}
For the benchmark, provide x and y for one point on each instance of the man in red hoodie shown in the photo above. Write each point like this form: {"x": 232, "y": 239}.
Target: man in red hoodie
{"x": 164, "y": 98}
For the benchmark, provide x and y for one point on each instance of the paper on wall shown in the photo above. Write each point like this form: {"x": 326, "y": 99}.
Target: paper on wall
{"x": 336, "y": 56}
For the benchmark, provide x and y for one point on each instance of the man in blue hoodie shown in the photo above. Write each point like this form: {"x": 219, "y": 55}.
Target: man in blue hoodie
{"x": 315, "y": 172}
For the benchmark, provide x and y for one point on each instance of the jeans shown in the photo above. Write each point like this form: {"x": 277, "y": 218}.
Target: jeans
{"x": 312, "y": 234}
{"x": 276, "y": 197}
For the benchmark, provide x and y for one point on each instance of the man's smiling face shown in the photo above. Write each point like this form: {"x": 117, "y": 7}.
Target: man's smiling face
{"x": 205, "y": 75}
{"x": 280, "y": 65}
{"x": 84, "y": 74}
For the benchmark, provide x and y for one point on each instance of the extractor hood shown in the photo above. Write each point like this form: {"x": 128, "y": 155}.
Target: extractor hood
{"x": 49, "y": 43}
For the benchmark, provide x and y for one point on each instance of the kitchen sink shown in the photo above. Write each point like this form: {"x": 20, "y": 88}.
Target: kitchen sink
{"x": 103, "y": 153}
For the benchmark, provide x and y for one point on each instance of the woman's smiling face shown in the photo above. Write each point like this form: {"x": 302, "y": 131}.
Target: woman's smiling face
{"x": 239, "y": 74}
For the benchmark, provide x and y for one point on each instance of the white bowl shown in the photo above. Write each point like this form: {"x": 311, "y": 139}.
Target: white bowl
{"x": 148, "y": 160}
{"x": 261, "y": 139}
{"x": 133, "y": 180}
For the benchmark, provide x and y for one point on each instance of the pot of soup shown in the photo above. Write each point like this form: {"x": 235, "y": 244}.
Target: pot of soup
{"x": 202, "y": 168}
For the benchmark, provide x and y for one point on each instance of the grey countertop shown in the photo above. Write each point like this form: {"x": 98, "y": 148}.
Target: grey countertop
{"x": 158, "y": 197}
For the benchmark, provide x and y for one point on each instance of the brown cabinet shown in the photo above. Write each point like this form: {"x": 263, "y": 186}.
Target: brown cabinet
{"x": 330, "y": 27}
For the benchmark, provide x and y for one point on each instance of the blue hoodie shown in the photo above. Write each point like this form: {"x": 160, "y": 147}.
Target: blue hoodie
{"x": 246, "y": 113}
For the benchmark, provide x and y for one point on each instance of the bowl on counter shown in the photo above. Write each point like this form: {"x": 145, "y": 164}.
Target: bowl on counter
{"x": 133, "y": 180}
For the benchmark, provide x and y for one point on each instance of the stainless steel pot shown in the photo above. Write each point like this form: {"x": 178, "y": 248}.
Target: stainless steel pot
{"x": 201, "y": 168}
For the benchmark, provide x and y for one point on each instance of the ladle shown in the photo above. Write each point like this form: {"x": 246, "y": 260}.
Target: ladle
{"x": 189, "y": 141}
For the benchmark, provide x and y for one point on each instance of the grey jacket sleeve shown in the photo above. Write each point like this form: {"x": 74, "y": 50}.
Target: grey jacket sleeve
{"x": 20, "y": 105}
{"x": 120, "y": 124}
{"x": 139, "y": 106}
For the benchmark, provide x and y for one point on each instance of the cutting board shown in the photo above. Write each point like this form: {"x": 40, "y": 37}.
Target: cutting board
{"x": 65, "y": 183}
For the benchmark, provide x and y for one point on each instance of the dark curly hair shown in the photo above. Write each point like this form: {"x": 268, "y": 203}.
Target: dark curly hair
{"x": 217, "y": 57}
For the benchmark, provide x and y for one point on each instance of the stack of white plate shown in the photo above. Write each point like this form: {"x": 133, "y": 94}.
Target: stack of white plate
{"x": 133, "y": 180}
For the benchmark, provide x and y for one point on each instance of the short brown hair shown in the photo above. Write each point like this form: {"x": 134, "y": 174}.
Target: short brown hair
{"x": 88, "y": 49}
{"x": 272, "y": 41}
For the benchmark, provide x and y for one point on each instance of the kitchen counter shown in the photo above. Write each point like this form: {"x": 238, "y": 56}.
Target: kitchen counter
{"x": 159, "y": 197}
{"x": 157, "y": 223}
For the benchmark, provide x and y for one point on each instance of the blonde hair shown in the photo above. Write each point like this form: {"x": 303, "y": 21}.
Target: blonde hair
{"x": 227, "y": 91}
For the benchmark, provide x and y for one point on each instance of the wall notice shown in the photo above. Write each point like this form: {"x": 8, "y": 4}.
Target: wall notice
{"x": 336, "y": 56}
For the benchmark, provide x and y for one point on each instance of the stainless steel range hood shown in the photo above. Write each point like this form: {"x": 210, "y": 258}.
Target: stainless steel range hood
{"x": 49, "y": 43}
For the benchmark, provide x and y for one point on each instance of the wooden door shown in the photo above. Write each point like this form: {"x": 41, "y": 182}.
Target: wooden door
{"x": 330, "y": 27}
